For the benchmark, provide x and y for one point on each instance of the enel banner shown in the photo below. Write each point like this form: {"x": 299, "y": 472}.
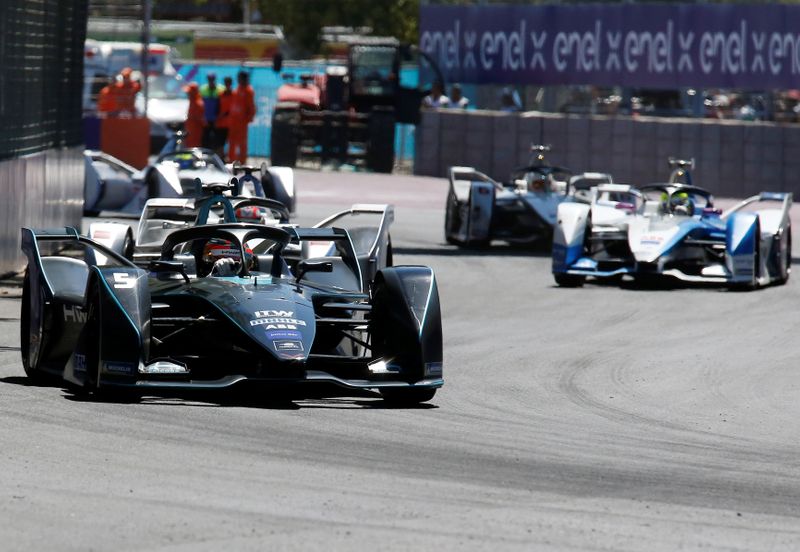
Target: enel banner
{"x": 655, "y": 45}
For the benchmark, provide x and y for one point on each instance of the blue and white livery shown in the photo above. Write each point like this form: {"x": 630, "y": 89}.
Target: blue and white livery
{"x": 673, "y": 230}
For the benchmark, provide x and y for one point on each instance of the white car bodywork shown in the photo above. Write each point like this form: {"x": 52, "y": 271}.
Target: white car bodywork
{"x": 480, "y": 209}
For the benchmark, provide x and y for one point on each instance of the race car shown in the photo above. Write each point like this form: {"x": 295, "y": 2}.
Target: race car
{"x": 673, "y": 230}
{"x": 480, "y": 210}
{"x": 227, "y": 304}
{"x": 112, "y": 185}
{"x": 368, "y": 225}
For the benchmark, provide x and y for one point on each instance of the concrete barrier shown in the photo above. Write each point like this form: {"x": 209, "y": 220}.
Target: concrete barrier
{"x": 733, "y": 158}
{"x": 42, "y": 190}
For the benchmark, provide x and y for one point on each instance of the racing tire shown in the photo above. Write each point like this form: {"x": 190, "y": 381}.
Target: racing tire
{"x": 407, "y": 397}
{"x": 152, "y": 185}
{"x": 569, "y": 280}
{"x": 31, "y": 359}
{"x": 785, "y": 267}
{"x": 451, "y": 220}
{"x": 389, "y": 338}
{"x": 380, "y": 142}
{"x": 128, "y": 246}
{"x": 283, "y": 139}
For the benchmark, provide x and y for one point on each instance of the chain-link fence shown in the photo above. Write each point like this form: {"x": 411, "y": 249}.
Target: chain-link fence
{"x": 41, "y": 74}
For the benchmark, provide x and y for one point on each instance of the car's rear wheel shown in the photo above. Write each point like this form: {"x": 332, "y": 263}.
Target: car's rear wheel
{"x": 31, "y": 332}
{"x": 785, "y": 264}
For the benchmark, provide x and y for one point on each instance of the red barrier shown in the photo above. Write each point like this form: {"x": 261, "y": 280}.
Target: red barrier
{"x": 126, "y": 139}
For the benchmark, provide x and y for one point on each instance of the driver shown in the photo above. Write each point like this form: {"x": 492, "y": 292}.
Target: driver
{"x": 225, "y": 257}
{"x": 538, "y": 184}
{"x": 185, "y": 161}
{"x": 681, "y": 204}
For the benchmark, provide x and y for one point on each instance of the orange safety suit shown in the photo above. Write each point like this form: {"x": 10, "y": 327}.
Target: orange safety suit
{"x": 225, "y": 106}
{"x": 124, "y": 94}
{"x": 106, "y": 102}
{"x": 243, "y": 111}
{"x": 195, "y": 119}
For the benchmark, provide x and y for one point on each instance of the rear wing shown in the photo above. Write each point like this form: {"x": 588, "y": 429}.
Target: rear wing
{"x": 371, "y": 240}
{"x": 786, "y": 199}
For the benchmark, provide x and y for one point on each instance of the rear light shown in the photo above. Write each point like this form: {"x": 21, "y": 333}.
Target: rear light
{"x": 625, "y": 206}
{"x": 483, "y": 191}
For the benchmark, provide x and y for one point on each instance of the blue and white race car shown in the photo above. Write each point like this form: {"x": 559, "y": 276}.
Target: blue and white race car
{"x": 480, "y": 209}
{"x": 673, "y": 230}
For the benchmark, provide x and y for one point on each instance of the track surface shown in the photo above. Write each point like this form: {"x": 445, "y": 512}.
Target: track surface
{"x": 595, "y": 418}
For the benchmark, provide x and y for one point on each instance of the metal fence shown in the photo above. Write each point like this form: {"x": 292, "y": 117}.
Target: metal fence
{"x": 41, "y": 74}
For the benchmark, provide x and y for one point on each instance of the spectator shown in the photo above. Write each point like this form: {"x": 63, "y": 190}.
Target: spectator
{"x": 224, "y": 117}
{"x": 457, "y": 100}
{"x": 243, "y": 111}
{"x": 210, "y": 92}
{"x": 124, "y": 92}
{"x": 509, "y": 100}
{"x": 436, "y": 98}
{"x": 195, "y": 118}
{"x": 106, "y": 102}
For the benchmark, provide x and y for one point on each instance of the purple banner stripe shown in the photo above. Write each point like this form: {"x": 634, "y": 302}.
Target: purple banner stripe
{"x": 657, "y": 46}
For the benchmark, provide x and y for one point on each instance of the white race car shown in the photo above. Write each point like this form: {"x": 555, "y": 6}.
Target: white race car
{"x": 480, "y": 209}
{"x": 112, "y": 185}
{"x": 673, "y": 230}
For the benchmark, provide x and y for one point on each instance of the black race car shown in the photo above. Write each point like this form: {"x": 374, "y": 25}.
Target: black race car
{"x": 225, "y": 304}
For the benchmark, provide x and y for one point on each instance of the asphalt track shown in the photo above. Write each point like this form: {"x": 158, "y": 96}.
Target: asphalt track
{"x": 591, "y": 419}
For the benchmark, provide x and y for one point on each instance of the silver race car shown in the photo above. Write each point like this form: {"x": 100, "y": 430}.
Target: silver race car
{"x": 480, "y": 209}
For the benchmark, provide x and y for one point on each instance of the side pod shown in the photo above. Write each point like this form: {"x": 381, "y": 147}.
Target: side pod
{"x": 569, "y": 235}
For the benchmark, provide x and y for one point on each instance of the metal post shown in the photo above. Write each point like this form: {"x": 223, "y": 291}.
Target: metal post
{"x": 147, "y": 7}
{"x": 246, "y": 15}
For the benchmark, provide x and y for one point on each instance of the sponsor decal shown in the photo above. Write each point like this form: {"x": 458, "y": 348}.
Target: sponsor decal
{"x": 101, "y": 234}
{"x": 80, "y": 363}
{"x": 120, "y": 367}
{"x": 74, "y": 314}
{"x": 276, "y": 320}
{"x": 273, "y": 313}
{"x": 290, "y": 346}
{"x": 123, "y": 280}
{"x": 651, "y": 240}
{"x": 278, "y": 323}
{"x": 284, "y": 334}
{"x": 433, "y": 369}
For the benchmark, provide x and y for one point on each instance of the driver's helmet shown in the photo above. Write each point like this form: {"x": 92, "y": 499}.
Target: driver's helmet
{"x": 217, "y": 249}
{"x": 681, "y": 204}
{"x": 185, "y": 161}
{"x": 538, "y": 183}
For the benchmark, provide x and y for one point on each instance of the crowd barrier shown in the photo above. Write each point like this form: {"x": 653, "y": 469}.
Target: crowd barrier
{"x": 42, "y": 189}
{"x": 733, "y": 158}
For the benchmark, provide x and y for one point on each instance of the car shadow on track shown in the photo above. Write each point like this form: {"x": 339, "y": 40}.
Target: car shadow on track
{"x": 445, "y": 250}
{"x": 243, "y": 397}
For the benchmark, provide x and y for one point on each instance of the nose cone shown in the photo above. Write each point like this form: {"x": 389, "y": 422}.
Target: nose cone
{"x": 287, "y": 332}
{"x": 279, "y": 319}
{"x": 647, "y": 243}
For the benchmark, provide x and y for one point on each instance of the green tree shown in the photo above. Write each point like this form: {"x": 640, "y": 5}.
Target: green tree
{"x": 302, "y": 19}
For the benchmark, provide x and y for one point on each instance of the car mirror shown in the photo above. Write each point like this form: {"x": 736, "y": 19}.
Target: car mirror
{"x": 169, "y": 266}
